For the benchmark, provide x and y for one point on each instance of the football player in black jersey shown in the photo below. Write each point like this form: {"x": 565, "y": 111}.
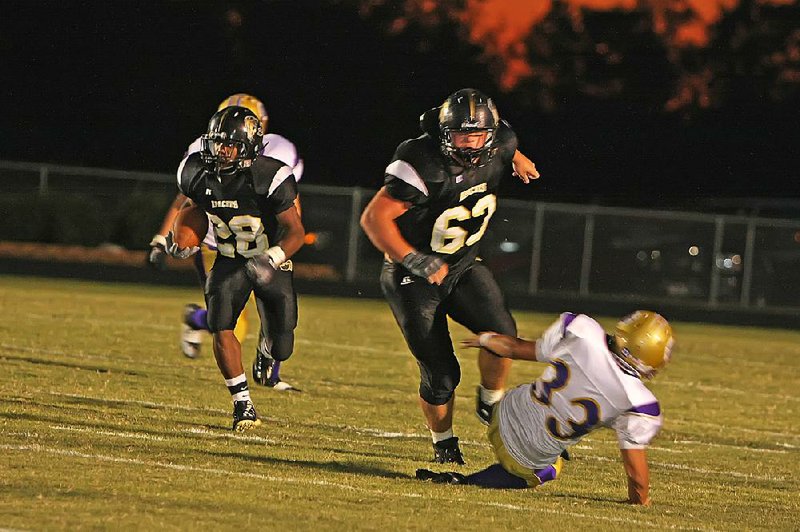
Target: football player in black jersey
{"x": 428, "y": 219}
{"x": 249, "y": 199}
{"x": 266, "y": 370}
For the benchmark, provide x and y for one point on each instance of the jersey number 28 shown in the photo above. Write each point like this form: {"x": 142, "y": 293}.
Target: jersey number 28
{"x": 249, "y": 234}
{"x": 447, "y": 238}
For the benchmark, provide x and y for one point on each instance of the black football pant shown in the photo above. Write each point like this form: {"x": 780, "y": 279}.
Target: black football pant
{"x": 474, "y": 300}
{"x": 227, "y": 290}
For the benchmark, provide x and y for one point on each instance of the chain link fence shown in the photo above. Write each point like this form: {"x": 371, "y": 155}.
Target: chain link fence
{"x": 582, "y": 252}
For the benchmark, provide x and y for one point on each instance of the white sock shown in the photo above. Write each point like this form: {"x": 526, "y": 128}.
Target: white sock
{"x": 441, "y": 436}
{"x": 490, "y": 397}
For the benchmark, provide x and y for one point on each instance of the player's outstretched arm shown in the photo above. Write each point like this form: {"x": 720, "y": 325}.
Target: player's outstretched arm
{"x": 503, "y": 345}
{"x": 524, "y": 168}
{"x": 378, "y": 222}
{"x": 638, "y": 473}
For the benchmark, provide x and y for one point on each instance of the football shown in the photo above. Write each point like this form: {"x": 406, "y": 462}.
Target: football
{"x": 190, "y": 227}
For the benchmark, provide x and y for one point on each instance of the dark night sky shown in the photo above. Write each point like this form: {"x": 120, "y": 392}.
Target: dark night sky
{"x": 128, "y": 84}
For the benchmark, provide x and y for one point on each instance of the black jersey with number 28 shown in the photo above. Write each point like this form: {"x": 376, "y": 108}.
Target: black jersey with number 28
{"x": 243, "y": 207}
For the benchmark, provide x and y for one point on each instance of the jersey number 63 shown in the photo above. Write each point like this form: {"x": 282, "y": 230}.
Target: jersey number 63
{"x": 448, "y": 239}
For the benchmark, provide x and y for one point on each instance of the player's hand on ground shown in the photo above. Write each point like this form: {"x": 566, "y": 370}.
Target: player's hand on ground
{"x": 157, "y": 257}
{"x": 429, "y": 267}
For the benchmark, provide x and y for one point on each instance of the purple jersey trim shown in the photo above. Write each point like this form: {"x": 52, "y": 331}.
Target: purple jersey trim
{"x": 568, "y": 319}
{"x": 651, "y": 409}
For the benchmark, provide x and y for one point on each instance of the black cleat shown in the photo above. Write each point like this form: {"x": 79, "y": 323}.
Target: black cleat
{"x": 264, "y": 375}
{"x": 565, "y": 455}
{"x": 483, "y": 410}
{"x": 447, "y": 452}
{"x": 445, "y": 477}
{"x": 244, "y": 416}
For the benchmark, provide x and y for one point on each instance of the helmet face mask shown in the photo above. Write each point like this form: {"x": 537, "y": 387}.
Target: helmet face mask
{"x": 464, "y": 113}
{"x": 644, "y": 341}
{"x": 232, "y": 141}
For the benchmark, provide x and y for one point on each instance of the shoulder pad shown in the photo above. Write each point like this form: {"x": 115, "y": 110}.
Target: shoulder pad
{"x": 506, "y": 138}
{"x": 268, "y": 173}
{"x": 423, "y": 155}
{"x": 195, "y": 146}
{"x": 280, "y": 148}
{"x": 189, "y": 171}
{"x": 429, "y": 122}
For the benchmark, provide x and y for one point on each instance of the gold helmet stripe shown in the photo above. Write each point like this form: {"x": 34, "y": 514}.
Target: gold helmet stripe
{"x": 471, "y": 107}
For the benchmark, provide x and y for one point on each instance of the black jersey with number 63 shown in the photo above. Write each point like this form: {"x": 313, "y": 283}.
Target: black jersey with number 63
{"x": 450, "y": 206}
{"x": 242, "y": 207}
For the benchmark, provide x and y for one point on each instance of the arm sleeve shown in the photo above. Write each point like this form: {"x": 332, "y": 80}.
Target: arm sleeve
{"x": 506, "y": 141}
{"x": 554, "y": 334}
{"x": 636, "y": 430}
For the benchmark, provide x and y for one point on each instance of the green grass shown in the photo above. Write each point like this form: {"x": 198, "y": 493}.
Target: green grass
{"x": 104, "y": 424}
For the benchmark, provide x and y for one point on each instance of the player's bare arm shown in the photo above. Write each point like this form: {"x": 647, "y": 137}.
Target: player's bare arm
{"x": 503, "y": 345}
{"x": 295, "y": 233}
{"x": 524, "y": 168}
{"x": 635, "y": 461}
{"x": 378, "y": 222}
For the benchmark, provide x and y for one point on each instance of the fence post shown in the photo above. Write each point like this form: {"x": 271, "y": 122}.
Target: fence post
{"x": 43, "y": 178}
{"x": 719, "y": 234}
{"x": 536, "y": 252}
{"x": 747, "y": 266}
{"x": 353, "y": 235}
{"x": 586, "y": 258}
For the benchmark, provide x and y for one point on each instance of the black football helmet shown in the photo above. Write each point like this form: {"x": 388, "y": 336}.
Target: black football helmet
{"x": 232, "y": 126}
{"x": 465, "y": 111}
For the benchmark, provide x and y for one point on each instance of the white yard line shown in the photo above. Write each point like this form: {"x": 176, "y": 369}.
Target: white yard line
{"x": 323, "y": 483}
{"x": 698, "y": 470}
{"x": 725, "y": 389}
{"x": 394, "y": 435}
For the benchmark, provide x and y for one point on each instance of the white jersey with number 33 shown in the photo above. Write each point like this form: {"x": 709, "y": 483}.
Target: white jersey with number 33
{"x": 582, "y": 389}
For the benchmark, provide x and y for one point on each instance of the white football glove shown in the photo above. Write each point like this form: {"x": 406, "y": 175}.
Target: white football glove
{"x": 175, "y": 251}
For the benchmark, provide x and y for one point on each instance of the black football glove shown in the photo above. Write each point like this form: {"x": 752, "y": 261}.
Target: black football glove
{"x": 157, "y": 258}
{"x": 422, "y": 265}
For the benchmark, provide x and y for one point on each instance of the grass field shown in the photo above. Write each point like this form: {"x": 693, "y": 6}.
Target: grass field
{"x": 104, "y": 424}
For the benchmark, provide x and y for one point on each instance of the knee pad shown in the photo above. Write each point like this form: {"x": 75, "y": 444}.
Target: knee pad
{"x": 282, "y": 345}
{"x": 437, "y": 387}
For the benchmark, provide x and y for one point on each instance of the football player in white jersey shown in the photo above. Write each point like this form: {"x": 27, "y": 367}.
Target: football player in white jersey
{"x": 266, "y": 370}
{"x": 593, "y": 380}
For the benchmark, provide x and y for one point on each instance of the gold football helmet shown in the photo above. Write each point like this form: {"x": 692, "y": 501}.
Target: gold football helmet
{"x": 250, "y": 102}
{"x": 644, "y": 341}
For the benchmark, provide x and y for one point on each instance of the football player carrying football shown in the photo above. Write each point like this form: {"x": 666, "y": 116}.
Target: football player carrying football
{"x": 266, "y": 369}
{"x": 593, "y": 380}
{"x": 428, "y": 219}
{"x": 249, "y": 199}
